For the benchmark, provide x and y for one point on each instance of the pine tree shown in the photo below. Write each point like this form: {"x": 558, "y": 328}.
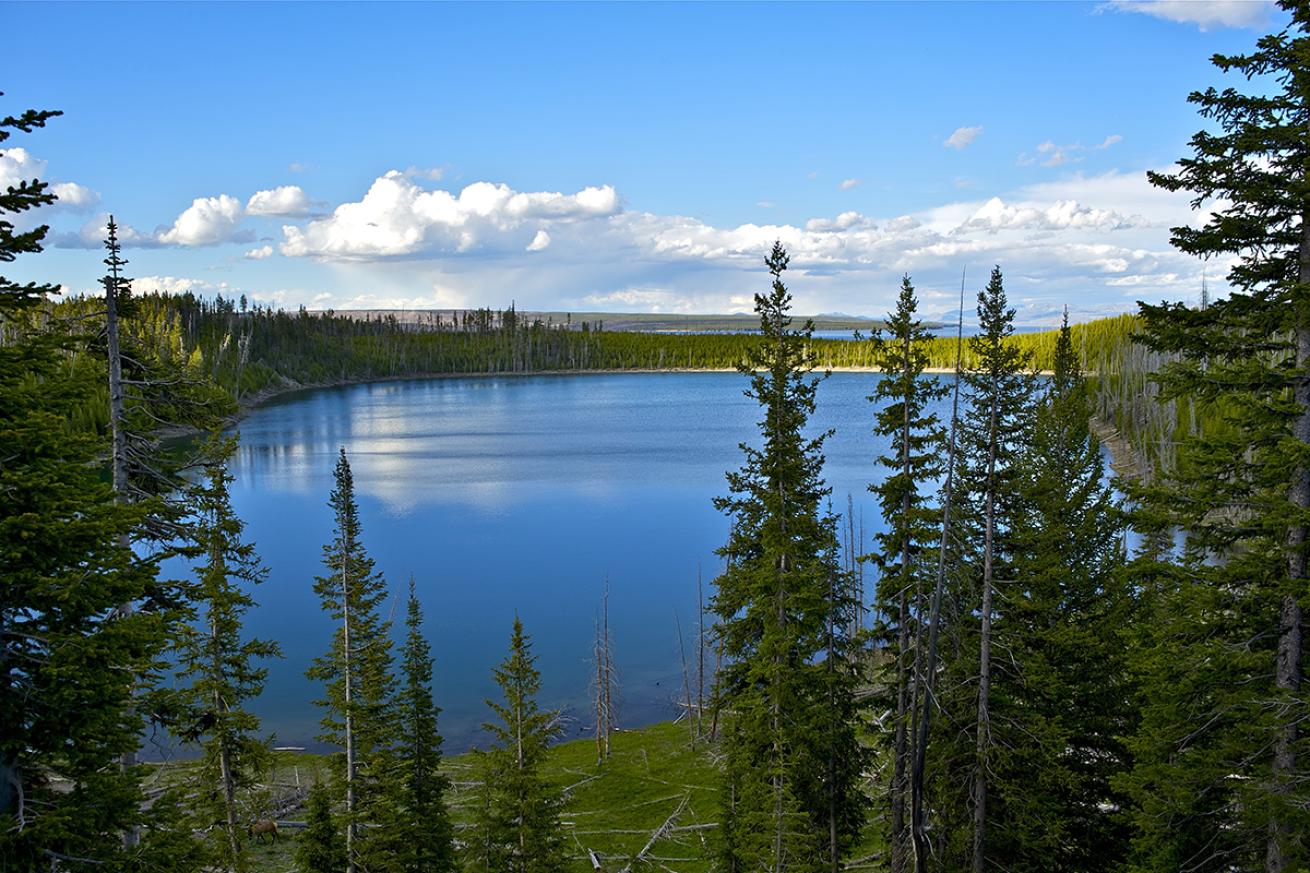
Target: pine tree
{"x": 356, "y": 671}
{"x": 220, "y": 663}
{"x": 69, "y": 659}
{"x": 320, "y": 847}
{"x": 1219, "y": 781}
{"x": 775, "y": 604}
{"x": 419, "y": 827}
{"x": 908, "y": 546}
{"x": 1063, "y": 702}
{"x": 999, "y": 391}
{"x": 517, "y": 828}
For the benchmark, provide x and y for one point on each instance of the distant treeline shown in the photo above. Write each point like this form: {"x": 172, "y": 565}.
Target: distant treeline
{"x": 249, "y": 350}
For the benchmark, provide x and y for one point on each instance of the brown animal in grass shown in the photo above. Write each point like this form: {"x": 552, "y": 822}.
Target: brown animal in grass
{"x": 264, "y": 826}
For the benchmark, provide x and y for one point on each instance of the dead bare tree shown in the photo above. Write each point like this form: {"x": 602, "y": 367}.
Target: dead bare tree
{"x": 603, "y": 693}
{"x": 700, "y": 654}
{"x": 686, "y": 680}
{"x": 918, "y": 821}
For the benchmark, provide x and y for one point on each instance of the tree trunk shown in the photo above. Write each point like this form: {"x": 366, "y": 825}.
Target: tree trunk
{"x": 918, "y": 826}
{"x": 1287, "y": 666}
{"x": 985, "y": 658}
{"x": 899, "y": 751}
{"x": 118, "y": 459}
{"x": 907, "y": 693}
{"x": 834, "y": 856}
{"x": 229, "y": 799}
{"x": 700, "y": 656}
{"x": 349, "y": 706}
{"x": 609, "y": 667}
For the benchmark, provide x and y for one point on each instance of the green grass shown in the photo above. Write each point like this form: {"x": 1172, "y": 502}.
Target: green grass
{"x": 612, "y": 809}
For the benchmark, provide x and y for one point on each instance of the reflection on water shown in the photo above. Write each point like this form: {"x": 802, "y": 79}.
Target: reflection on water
{"x": 516, "y": 494}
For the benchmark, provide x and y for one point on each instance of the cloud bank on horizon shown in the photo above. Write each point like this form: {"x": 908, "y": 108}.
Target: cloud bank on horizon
{"x": 1053, "y": 238}
{"x": 1072, "y": 222}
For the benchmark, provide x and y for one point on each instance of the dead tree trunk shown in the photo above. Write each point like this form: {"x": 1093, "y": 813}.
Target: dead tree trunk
{"x": 985, "y": 656}
{"x": 113, "y": 283}
{"x": 918, "y": 823}
{"x": 348, "y": 683}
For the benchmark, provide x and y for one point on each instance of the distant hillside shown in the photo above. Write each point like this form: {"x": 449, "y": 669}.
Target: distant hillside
{"x": 613, "y": 321}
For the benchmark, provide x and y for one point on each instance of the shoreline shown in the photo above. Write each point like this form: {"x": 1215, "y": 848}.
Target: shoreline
{"x": 1121, "y": 460}
{"x": 264, "y": 395}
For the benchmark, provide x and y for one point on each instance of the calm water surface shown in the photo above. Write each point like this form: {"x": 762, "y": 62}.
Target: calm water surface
{"x": 516, "y": 495}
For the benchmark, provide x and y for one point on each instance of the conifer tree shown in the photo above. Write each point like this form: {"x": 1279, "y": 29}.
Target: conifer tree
{"x": 914, "y": 461}
{"x": 999, "y": 391}
{"x": 69, "y": 659}
{"x": 220, "y": 663}
{"x": 775, "y": 603}
{"x": 1221, "y": 754}
{"x": 1063, "y": 702}
{"x": 320, "y": 847}
{"x": 356, "y": 672}
{"x": 419, "y": 828}
{"x": 517, "y": 828}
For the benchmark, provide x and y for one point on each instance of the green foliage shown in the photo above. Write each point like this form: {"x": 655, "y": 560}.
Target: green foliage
{"x": 516, "y": 818}
{"x": 999, "y": 390}
{"x": 419, "y": 826}
{"x": 219, "y": 665}
{"x": 781, "y": 602}
{"x": 70, "y": 658}
{"x": 907, "y": 548}
{"x": 320, "y": 848}
{"x": 356, "y": 672}
{"x": 1221, "y": 750}
{"x": 1062, "y": 701}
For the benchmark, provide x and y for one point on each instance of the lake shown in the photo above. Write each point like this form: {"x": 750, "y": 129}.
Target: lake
{"x": 507, "y": 495}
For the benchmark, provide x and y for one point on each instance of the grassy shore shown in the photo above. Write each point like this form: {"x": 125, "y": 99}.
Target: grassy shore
{"x": 654, "y": 804}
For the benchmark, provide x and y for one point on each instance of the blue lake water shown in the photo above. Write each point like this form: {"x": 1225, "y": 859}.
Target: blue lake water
{"x": 522, "y": 495}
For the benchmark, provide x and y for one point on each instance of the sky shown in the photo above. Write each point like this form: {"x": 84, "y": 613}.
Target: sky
{"x": 629, "y": 157}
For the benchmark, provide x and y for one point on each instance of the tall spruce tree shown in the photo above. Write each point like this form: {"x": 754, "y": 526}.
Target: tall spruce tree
{"x": 419, "y": 827}
{"x": 1222, "y": 750}
{"x": 788, "y": 804}
{"x": 357, "y": 674}
{"x": 220, "y": 664}
{"x": 516, "y": 817}
{"x": 69, "y": 660}
{"x": 907, "y": 548}
{"x": 1062, "y": 703}
{"x": 999, "y": 392}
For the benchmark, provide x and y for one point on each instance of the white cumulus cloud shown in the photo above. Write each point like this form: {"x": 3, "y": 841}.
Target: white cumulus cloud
{"x": 845, "y": 221}
{"x": 1101, "y": 241}
{"x": 398, "y": 217}
{"x": 1109, "y": 141}
{"x": 848, "y": 184}
{"x": 1205, "y": 14}
{"x": 175, "y": 285}
{"x": 75, "y": 196}
{"x": 207, "y": 221}
{"x": 996, "y": 215}
{"x": 284, "y": 200}
{"x": 19, "y": 165}
{"x": 962, "y": 137}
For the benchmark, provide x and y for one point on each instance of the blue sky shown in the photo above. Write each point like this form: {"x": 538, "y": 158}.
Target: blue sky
{"x": 621, "y": 157}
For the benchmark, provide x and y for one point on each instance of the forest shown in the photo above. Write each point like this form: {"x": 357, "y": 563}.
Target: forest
{"x": 1057, "y": 669}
